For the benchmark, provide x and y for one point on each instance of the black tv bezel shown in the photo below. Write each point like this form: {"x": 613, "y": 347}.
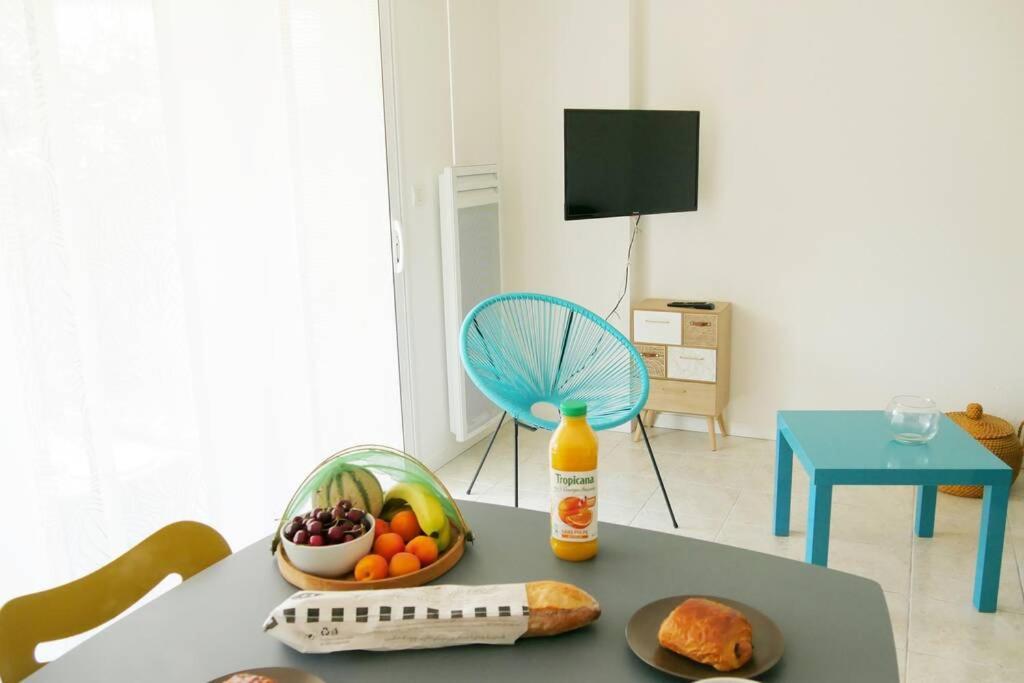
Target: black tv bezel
{"x": 565, "y": 169}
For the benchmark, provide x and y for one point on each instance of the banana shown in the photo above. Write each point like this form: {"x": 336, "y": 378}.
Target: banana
{"x": 428, "y": 511}
{"x": 444, "y": 538}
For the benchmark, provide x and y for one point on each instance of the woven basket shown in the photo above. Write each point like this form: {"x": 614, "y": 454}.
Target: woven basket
{"x": 995, "y": 434}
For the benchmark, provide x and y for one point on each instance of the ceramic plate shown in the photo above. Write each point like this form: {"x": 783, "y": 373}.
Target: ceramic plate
{"x": 280, "y": 674}
{"x": 642, "y": 636}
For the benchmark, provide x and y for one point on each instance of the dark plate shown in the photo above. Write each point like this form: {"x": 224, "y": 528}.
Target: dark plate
{"x": 642, "y": 636}
{"x": 280, "y": 674}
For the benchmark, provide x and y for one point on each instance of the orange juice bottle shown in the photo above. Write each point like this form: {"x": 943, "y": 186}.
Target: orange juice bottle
{"x": 573, "y": 496}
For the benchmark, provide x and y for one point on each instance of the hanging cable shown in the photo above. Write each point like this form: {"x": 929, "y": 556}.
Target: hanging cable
{"x": 629, "y": 255}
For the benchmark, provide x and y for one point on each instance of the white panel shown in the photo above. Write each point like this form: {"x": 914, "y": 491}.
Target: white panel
{"x": 658, "y": 327}
{"x": 698, "y": 365}
{"x": 471, "y": 264}
{"x": 476, "y": 181}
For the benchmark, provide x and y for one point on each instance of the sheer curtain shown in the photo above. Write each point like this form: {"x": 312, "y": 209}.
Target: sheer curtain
{"x": 196, "y": 299}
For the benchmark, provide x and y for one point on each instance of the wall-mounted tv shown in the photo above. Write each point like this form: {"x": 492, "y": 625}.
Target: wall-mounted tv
{"x": 621, "y": 162}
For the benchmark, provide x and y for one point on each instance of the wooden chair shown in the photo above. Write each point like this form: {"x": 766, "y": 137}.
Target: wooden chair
{"x": 184, "y": 548}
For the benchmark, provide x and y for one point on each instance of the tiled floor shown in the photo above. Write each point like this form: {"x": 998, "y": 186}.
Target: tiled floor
{"x": 727, "y": 496}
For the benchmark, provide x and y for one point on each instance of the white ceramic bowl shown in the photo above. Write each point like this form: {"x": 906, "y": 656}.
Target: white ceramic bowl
{"x": 330, "y": 561}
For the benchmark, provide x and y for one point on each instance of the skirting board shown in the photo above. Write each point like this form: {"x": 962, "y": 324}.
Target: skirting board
{"x": 699, "y": 424}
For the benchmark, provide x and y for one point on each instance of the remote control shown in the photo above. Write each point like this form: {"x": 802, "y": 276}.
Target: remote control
{"x": 702, "y": 305}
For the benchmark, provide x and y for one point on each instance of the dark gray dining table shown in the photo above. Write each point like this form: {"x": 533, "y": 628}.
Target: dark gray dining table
{"x": 836, "y": 625}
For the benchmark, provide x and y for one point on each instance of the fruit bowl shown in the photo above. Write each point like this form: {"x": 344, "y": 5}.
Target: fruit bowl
{"x": 329, "y": 560}
{"x": 418, "y": 531}
{"x": 311, "y": 581}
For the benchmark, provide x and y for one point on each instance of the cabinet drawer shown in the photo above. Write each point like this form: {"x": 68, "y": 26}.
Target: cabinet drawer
{"x": 654, "y": 359}
{"x": 673, "y": 396}
{"x": 700, "y": 330}
{"x": 690, "y": 363}
{"x": 657, "y": 327}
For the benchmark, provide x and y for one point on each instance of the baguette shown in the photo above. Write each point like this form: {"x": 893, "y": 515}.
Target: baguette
{"x": 429, "y": 616}
{"x": 557, "y": 607}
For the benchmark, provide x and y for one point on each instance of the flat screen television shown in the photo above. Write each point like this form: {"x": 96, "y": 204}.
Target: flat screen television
{"x": 621, "y": 162}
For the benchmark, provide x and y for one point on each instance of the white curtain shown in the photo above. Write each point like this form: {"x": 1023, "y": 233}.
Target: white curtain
{"x": 196, "y": 299}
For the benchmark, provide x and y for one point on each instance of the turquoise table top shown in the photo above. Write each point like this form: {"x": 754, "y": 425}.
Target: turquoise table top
{"x": 856, "y": 447}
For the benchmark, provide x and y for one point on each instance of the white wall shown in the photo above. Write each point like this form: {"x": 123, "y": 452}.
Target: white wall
{"x": 859, "y": 166}
{"x": 473, "y": 39}
{"x": 859, "y": 196}
{"x": 557, "y": 55}
{"x": 500, "y": 100}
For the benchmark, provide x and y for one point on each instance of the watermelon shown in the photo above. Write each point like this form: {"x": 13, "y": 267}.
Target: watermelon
{"x": 353, "y": 483}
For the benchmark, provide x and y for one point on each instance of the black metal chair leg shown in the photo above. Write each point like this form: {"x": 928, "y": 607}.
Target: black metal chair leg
{"x": 515, "y": 465}
{"x": 657, "y": 472}
{"x": 481, "y": 465}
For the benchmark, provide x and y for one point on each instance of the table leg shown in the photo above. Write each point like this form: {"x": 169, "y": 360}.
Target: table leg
{"x": 819, "y": 513}
{"x": 924, "y": 518}
{"x": 990, "y": 547}
{"x": 783, "y": 484}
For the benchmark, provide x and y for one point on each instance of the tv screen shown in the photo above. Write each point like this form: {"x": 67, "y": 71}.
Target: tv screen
{"x": 621, "y": 162}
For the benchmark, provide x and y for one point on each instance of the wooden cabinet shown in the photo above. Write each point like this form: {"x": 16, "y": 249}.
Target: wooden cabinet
{"x": 686, "y": 351}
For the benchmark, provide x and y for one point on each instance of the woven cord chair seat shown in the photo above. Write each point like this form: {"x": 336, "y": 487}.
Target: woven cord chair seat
{"x": 523, "y": 349}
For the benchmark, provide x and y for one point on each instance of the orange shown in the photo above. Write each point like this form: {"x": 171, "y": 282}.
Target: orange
{"x": 380, "y": 527}
{"x": 405, "y": 525}
{"x": 576, "y": 511}
{"x": 371, "y": 567}
{"x": 581, "y": 519}
{"x": 403, "y": 563}
{"x": 423, "y": 547}
{"x": 387, "y": 545}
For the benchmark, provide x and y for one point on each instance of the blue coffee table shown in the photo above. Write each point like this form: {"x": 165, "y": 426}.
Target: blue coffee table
{"x": 855, "y": 447}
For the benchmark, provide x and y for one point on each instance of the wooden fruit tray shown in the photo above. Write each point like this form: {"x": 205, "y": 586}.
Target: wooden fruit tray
{"x": 445, "y": 562}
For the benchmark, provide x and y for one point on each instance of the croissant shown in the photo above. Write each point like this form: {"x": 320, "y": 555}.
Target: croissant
{"x": 708, "y": 632}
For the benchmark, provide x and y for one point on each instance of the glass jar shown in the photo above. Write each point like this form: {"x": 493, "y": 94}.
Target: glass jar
{"x": 913, "y": 419}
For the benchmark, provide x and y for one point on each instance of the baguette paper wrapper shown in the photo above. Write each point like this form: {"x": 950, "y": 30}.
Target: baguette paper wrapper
{"x": 401, "y": 618}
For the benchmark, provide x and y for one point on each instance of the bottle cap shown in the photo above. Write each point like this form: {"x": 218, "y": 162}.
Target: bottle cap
{"x": 573, "y": 408}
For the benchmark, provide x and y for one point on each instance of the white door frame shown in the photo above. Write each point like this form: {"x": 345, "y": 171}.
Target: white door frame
{"x": 398, "y": 253}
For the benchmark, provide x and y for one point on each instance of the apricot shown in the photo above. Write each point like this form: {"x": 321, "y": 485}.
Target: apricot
{"x": 370, "y": 568}
{"x": 423, "y": 547}
{"x": 403, "y": 563}
{"x": 380, "y": 527}
{"x": 389, "y": 544}
{"x": 404, "y": 524}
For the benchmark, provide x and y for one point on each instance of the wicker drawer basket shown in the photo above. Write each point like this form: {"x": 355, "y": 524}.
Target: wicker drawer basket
{"x": 995, "y": 434}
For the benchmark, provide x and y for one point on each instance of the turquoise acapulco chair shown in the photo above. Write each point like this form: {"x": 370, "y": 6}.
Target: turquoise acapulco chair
{"x": 524, "y": 349}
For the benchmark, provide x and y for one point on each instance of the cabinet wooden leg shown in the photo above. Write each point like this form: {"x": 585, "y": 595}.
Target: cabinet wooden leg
{"x": 721, "y": 425}
{"x": 636, "y": 427}
{"x": 711, "y": 433}
{"x": 648, "y": 419}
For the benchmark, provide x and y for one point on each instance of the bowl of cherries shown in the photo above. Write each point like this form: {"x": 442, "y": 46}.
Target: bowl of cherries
{"x": 328, "y": 541}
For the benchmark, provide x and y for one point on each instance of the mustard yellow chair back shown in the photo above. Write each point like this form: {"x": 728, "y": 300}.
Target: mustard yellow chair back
{"x": 184, "y": 548}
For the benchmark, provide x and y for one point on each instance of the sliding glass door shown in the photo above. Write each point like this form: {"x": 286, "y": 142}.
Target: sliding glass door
{"x": 196, "y": 293}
